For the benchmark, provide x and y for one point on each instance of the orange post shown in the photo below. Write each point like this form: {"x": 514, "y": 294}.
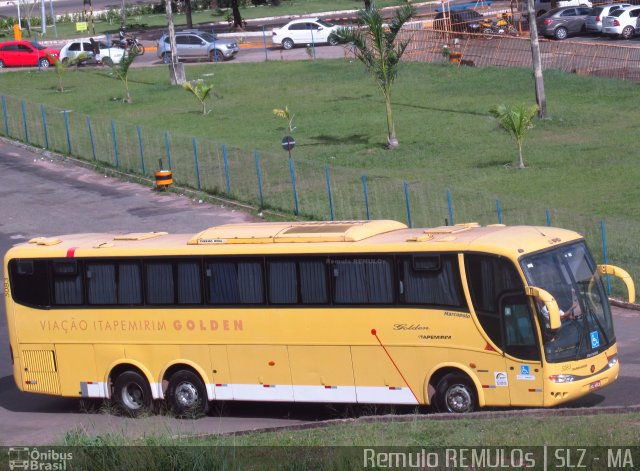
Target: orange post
{"x": 17, "y": 32}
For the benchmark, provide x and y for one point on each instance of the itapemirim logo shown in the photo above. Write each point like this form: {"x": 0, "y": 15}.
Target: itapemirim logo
{"x": 34, "y": 459}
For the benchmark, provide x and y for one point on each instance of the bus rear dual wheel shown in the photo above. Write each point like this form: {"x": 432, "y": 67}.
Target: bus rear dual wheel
{"x": 186, "y": 394}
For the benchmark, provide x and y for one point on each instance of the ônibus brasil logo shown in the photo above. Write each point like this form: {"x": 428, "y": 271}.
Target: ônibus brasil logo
{"x": 34, "y": 459}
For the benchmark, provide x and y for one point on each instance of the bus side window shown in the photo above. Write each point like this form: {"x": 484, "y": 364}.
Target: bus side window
{"x": 29, "y": 282}
{"x": 159, "y": 283}
{"x": 362, "y": 281}
{"x": 294, "y": 282}
{"x": 101, "y": 283}
{"x": 235, "y": 282}
{"x": 432, "y": 280}
{"x": 189, "y": 283}
{"x": 489, "y": 278}
{"x": 67, "y": 283}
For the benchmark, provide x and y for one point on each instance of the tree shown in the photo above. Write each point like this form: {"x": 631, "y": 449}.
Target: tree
{"x": 285, "y": 114}
{"x": 377, "y": 46}
{"x": 516, "y": 120}
{"x": 121, "y": 70}
{"x": 187, "y": 13}
{"x": 238, "y": 22}
{"x": 62, "y": 66}
{"x": 541, "y": 98}
{"x": 200, "y": 90}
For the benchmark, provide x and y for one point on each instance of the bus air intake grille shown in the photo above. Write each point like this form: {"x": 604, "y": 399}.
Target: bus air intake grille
{"x": 40, "y": 372}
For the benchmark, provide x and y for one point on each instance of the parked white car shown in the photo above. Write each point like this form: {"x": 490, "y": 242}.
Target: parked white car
{"x": 72, "y": 50}
{"x": 304, "y": 31}
{"x": 594, "y": 20}
{"x": 621, "y": 22}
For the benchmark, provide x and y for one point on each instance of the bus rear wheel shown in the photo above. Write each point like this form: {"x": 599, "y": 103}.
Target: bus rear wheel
{"x": 455, "y": 394}
{"x": 132, "y": 393}
{"x": 187, "y": 395}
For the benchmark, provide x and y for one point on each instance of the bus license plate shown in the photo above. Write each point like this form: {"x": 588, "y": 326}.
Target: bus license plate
{"x": 595, "y": 385}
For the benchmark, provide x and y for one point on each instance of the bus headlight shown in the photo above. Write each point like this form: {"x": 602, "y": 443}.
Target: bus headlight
{"x": 562, "y": 378}
{"x": 613, "y": 360}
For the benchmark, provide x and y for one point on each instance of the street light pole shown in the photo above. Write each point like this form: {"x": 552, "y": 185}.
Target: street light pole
{"x": 19, "y": 17}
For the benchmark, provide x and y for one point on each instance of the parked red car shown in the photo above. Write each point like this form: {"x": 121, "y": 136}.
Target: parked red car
{"x": 25, "y": 53}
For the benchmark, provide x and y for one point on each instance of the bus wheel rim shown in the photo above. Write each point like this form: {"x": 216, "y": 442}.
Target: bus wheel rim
{"x": 186, "y": 395}
{"x": 133, "y": 396}
{"x": 458, "y": 399}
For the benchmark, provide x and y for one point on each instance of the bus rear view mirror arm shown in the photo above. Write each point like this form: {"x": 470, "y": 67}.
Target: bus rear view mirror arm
{"x": 622, "y": 274}
{"x": 550, "y": 303}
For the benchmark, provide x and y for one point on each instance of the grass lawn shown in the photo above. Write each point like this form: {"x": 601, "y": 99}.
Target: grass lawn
{"x": 294, "y": 449}
{"x": 582, "y": 163}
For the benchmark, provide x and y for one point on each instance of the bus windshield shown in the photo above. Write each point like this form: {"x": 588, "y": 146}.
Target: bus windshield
{"x": 569, "y": 274}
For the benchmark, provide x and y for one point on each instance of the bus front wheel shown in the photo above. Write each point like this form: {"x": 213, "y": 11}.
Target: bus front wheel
{"x": 456, "y": 394}
{"x": 187, "y": 395}
{"x": 132, "y": 393}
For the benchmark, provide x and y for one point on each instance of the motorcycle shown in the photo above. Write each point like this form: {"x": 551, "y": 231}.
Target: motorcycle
{"x": 502, "y": 25}
{"x": 129, "y": 43}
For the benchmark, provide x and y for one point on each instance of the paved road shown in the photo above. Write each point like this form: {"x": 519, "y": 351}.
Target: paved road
{"x": 44, "y": 198}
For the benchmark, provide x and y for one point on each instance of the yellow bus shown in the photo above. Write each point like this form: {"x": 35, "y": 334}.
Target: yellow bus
{"x": 457, "y": 317}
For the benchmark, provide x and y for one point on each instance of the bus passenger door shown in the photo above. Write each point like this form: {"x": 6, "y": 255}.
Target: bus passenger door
{"x": 522, "y": 351}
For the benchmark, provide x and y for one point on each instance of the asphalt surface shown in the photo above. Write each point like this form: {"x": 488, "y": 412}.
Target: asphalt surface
{"x": 43, "y": 197}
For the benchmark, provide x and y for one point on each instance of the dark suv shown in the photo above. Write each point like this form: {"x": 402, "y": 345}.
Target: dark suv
{"x": 462, "y": 21}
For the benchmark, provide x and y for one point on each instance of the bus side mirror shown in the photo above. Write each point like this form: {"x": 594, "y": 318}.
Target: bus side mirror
{"x": 549, "y": 301}
{"x": 620, "y": 273}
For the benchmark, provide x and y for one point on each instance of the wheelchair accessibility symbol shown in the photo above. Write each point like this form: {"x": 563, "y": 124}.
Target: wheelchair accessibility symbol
{"x": 524, "y": 370}
{"x": 595, "y": 339}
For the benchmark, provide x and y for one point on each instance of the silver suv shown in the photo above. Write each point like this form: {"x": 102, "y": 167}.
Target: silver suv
{"x": 195, "y": 44}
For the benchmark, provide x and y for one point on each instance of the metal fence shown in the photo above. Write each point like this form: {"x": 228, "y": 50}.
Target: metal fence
{"x": 308, "y": 189}
{"x": 620, "y": 61}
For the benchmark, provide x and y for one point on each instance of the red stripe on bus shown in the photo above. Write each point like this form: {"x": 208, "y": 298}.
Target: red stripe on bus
{"x": 71, "y": 252}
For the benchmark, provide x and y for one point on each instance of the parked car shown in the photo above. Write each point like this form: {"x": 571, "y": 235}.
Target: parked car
{"x": 461, "y": 21}
{"x": 594, "y": 20}
{"x": 25, "y": 53}
{"x": 543, "y": 6}
{"x": 305, "y": 31}
{"x": 559, "y": 23}
{"x": 194, "y": 44}
{"x": 72, "y": 50}
{"x": 621, "y": 22}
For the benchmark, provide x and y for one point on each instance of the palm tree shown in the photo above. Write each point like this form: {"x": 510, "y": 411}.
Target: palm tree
{"x": 285, "y": 114}
{"x": 121, "y": 70}
{"x": 515, "y": 120}
{"x": 200, "y": 90}
{"x": 376, "y": 46}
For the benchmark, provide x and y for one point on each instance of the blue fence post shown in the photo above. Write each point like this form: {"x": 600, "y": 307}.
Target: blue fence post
{"x": 366, "y": 196}
{"x": 450, "y": 208}
{"x": 313, "y": 43}
{"x": 66, "y": 127}
{"x": 93, "y": 147}
{"x": 226, "y": 168}
{"x": 255, "y": 154}
{"x": 548, "y": 217}
{"x": 166, "y": 146}
{"x": 605, "y": 254}
{"x": 264, "y": 39}
{"x": 406, "y": 200}
{"x": 293, "y": 183}
{"x": 115, "y": 142}
{"x": 4, "y": 112}
{"x": 44, "y": 127}
{"x": 24, "y": 120}
{"x": 141, "y": 152}
{"x": 195, "y": 158}
{"x": 498, "y": 211}
{"x": 326, "y": 174}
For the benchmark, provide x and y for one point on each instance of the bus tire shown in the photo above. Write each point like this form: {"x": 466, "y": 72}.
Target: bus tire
{"x": 456, "y": 394}
{"x": 132, "y": 393}
{"x": 187, "y": 395}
